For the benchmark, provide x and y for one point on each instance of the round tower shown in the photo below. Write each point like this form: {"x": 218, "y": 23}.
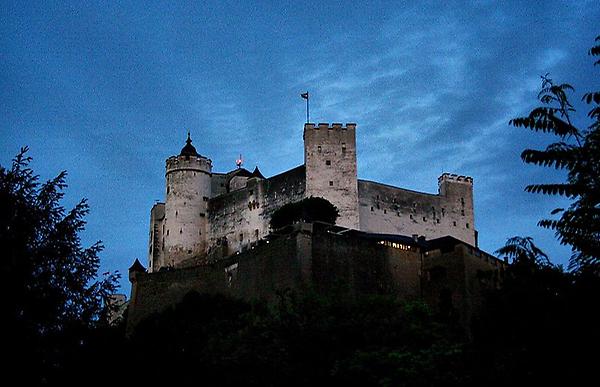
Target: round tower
{"x": 188, "y": 177}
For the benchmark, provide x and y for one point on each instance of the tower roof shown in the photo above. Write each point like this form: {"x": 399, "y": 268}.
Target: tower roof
{"x": 137, "y": 266}
{"x": 257, "y": 173}
{"x": 188, "y": 149}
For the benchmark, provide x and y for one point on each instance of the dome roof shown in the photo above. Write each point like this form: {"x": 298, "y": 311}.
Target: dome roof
{"x": 188, "y": 149}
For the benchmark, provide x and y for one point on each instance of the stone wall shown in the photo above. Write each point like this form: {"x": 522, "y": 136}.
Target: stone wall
{"x": 240, "y": 218}
{"x": 456, "y": 276}
{"x": 322, "y": 258}
{"x": 330, "y": 160}
{"x": 387, "y": 209}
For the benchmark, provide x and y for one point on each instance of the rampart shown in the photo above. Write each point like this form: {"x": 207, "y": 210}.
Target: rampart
{"x": 387, "y": 209}
{"x": 324, "y": 257}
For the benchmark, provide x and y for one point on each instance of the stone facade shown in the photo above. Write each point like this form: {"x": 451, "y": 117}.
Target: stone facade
{"x": 208, "y": 215}
{"x": 392, "y": 210}
{"x": 445, "y": 272}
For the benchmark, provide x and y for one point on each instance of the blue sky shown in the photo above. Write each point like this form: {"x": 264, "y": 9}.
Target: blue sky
{"x": 108, "y": 91}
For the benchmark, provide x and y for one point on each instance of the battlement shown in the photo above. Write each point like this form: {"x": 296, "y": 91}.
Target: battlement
{"x": 333, "y": 126}
{"x": 199, "y": 164}
{"x": 452, "y": 177}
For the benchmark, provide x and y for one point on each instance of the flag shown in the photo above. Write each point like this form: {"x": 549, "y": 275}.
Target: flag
{"x": 304, "y": 95}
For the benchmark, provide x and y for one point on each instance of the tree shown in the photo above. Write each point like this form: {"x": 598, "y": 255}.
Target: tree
{"x": 578, "y": 153}
{"x": 307, "y": 210}
{"x": 50, "y": 290}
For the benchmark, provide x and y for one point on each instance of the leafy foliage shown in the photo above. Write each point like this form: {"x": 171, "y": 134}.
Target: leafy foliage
{"x": 307, "y": 210}
{"x": 540, "y": 314}
{"x": 300, "y": 339}
{"x": 578, "y": 153}
{"x": 50, "y": 286}
{"x": 523, "y": 250}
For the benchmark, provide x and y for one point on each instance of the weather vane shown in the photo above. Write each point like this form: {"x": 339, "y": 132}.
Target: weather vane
{"x": 239, "y": 161}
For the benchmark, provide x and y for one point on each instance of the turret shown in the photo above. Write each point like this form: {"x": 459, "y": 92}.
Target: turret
{"x": 330, "y": 160}
{"x": 188, "y": 178}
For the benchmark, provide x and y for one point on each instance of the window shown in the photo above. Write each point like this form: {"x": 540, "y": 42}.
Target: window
{"x": 462, "y": 212}
{"x": 205, "y": 198}
{"x": 372, "y": 209}
{"x": 180, "y": 230}
{"x": 176, "y": 214}
{"x": 202, "y": 214}
{"x": 331, "y": 183}
{"x": 319, "y": 148}
{"x": 385, "y": 211}
{"x": 454, "y": 223}
{"x": 411, "y": 216}
{"x": 424, "y": 219}
{"x": 167, "y": 232}
{"x": 241, "y": 237}
{"x": 467, "y": 225}
{"x": 343, "y": 148}
{"x": 437, "y": 220}
{"x": 327, "y": 162}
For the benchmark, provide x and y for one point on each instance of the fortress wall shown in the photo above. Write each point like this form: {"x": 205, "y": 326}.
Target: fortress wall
{"x": 308, "y": 257}
{"x": 254, "y": 274}
{"x": 362, "y": 266}
{"x": 217, "y": 184}
{"x": 392, "y": 210}
{"x": 457, "y": 278}
{"x": 241, "y": 217}
{"x": 445, "y": 273}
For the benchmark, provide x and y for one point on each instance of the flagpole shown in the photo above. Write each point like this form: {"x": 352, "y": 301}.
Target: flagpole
{"x": 306, "y": 96}
{"x": 307, "y": 116}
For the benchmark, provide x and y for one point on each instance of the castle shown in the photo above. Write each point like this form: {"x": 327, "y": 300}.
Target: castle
{"x": 212, "y": 234}
{"x": 209, "y": 215}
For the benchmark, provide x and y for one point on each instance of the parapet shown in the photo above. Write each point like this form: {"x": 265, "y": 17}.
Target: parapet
{"x": 452, "y": 177}
{"x": 199, "y": 163}
{"x": 327, "y": 126}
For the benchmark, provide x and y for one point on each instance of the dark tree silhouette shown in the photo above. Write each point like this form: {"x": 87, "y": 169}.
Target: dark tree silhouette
{"x": 50, "y": 291}
{"x": 522, "y": 249}
{"x": 307, "y": 210}
{"x": 577, "y": 152}
{"x": 540, "y": 315}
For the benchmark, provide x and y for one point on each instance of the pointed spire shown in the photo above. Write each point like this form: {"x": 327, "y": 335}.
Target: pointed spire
{"x": 188, "y": 149}
{"x": 137, "y": 267}
{"x": 257, "y": 173}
